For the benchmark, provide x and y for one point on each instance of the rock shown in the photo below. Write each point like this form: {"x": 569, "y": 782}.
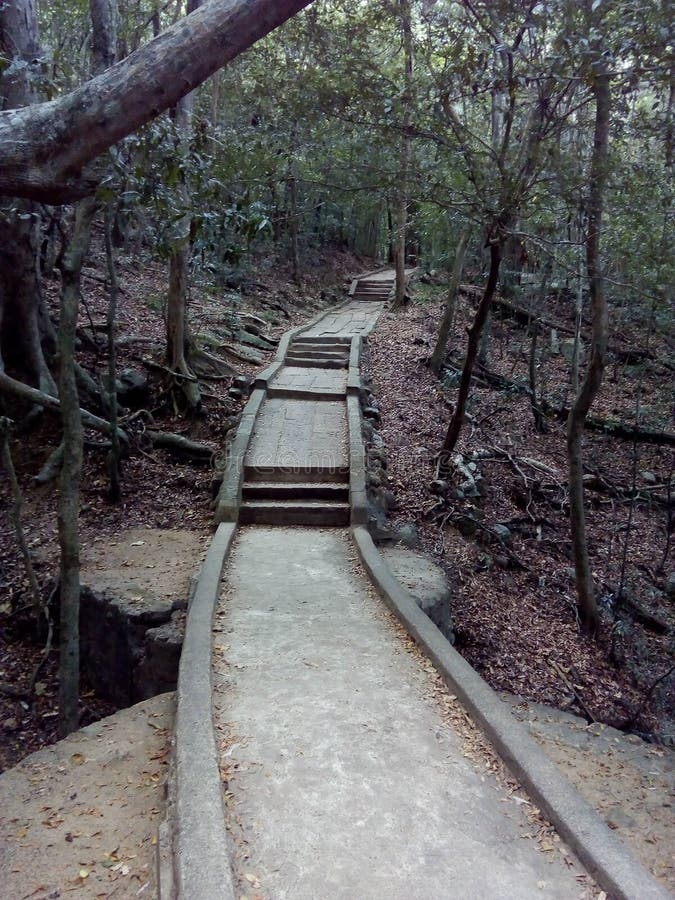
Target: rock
{"x": 567, "y": 349}
{"x": 252, "y": 340}
{"x": 133, "y": 389}
{"x": 158, "y": 670}
{"x": 467, "y": 525}
{"x": 235, "y": 394}
{"x": 427, "y": 583}
{"x": 374, "y": 480}
{"x": 390, "y": 500}
{"x": 372, "y": 413}
{"x": 378, "y": 528}
{"x": 619, "y": 818}
{"x": 648, "y": 477}
{"x": 242, "y": 383}
{"x": 555, "y": 342}
{"x": 670, "y": 586}
{"x": 376, "y": 440}
{"x": 456, "y": 494}
{"x": 502, "y": 533}
{"x": 469, "y": 489}
{"x": 438, "y": 486}
{"x": 115, "y": 634}
{"x": 11, "y": 724}
{"x": 378, "y": 456}
{"x": 408, "y": 536}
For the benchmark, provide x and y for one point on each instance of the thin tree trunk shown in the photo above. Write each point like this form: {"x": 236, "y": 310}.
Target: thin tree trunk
{"x": 177, "y": 335}
{"x": 17, "y": 505}
{"x": 403, "y": 188}
{"x": 292, "y": 220}
{"x": 71, "y": 468}
{"x": 586, "y": 600}
{"x": 455, "y": 427}
{"x": 448, "y": 319}
{"x": 115, "y": 451}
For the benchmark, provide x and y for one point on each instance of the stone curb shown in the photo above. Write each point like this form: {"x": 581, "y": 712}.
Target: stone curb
{"x": 358, "y": 499}
{"x": 200, "y": 844}
{"x": 611, "y": 863}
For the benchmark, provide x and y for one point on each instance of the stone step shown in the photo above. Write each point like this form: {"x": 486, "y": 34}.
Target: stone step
{"x": 296, "y": 475}
{"x": 334, "y": 491}
{"x": 309, "y": 362}
{"x": 279, "y": 512}
{"x": 318, "y": 351}
{"x": 323, "y": 339}
{"x": 291, "y": 393}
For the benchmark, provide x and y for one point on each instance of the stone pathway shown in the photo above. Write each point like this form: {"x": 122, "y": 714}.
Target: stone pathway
{"x": 344, "y": 780}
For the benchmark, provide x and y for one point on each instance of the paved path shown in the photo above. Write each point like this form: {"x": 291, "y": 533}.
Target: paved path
{"x": 344, "y": 779}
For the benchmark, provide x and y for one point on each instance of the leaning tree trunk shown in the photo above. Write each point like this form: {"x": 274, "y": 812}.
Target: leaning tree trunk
{"x": 455, "y": 426}
{"x": 448, "y": 319}
{"x": 46, "y": 153}
{"x": 20, "y": 297}
{"x": 586, "y": 601}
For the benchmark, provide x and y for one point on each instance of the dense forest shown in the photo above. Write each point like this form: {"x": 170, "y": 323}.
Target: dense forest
{"x": 182, "y": 182}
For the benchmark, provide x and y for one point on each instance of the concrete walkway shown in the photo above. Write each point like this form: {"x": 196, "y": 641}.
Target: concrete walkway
{"x": 344, "y": 781}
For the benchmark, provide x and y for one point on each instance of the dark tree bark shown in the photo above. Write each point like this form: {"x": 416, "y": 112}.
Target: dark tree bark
{"x": 104, "y": 33}
{"x": 586, "y": 600}
{"x": 455, "y": 426}
{"x": 45, "y": 152}
{"x": 20, "y": 344}
{"x": 448, "y": 319}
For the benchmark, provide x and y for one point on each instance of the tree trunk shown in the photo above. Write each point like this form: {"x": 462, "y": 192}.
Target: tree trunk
{"x": 586, "y": 601}
{"x": 104, "y": 34}
{"x": 402, "y": 191}
{"x": 177, "y": 335}
{"x": 455, "y": 427}
{"x": 20, "y": 346}
{"x": 71, "y": 468}
{"x": 45, "y": 150}
{"x": 292, "y": 220}
{"x": 448, "y": 319}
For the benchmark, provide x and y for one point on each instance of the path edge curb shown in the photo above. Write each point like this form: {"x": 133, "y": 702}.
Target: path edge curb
{"x": 612, "y": 864}
{"x": 193, "y": 853}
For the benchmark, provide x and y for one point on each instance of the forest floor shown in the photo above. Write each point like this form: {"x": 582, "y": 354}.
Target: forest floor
{"x": 514, "y": 610}
{"x": 160, "y": 490}
{"x": 514, "y": 605}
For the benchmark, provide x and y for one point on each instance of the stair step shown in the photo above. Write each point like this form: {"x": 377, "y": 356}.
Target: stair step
{"x": 299, "y": 475}
{"x": 278, "y": 512}
{"x": 291, "y": 393}
{"x": 309, "y": 362}
{"x": 334, "y": 491}
{"x": 323, "y": 339}
{"x": 317, "y": 351}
